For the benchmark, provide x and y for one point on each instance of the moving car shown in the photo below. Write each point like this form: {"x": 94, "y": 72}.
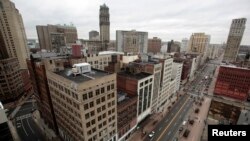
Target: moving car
{"x": 150, "y": 135}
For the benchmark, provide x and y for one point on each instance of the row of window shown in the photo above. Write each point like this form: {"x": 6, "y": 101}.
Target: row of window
{"x": 65, "y": 98}
{"x": 69, "y": 127}
{"x": 146, "y": 82}
{"x": 64, "y": 89}
{"x": 97, "y": 92}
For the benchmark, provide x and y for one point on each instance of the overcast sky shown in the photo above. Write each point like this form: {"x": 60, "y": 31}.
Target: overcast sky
{"x": 166, "y": 19}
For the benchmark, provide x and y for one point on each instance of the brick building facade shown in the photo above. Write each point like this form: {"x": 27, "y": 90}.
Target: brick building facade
{"x": 233, "y": 82}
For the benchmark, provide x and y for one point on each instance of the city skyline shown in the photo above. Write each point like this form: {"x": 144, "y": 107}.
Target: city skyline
{"x": 165, "y": 19}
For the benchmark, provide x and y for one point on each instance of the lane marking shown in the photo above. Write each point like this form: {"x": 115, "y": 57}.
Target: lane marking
{"x": 30, "y": 126}
{"x": 25, "y": 109}
{"x": 24, "y": 128}
{"x": 172, "y": 120}
{"x": 23, "y": 117}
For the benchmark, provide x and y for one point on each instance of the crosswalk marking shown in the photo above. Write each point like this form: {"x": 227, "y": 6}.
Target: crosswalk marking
{"x": 23, "y": 117}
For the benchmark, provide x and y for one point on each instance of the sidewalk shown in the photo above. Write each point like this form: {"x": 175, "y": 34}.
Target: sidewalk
{"x": 49, "y": 133}
{"x": 196, "y": 130}
{"x": 151, "y": 123}
{"x": 212, "y": 85}
{"x": 13, "y": 131}
{"x": 149, "y": 126}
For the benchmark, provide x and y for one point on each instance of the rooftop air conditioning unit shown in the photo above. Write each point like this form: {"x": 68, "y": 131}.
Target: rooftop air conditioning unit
{"x": 81, "y": 68}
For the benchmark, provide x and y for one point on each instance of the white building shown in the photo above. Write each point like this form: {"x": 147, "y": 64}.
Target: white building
{"x": 129, "y": 58}
{"x": 184, "y": 44}
{"x": 214, "y": 50}
{"x": 164, "y": 95}
{"x": 199, "y": 43}
{"x": 172, "y": 90}
{"x": 145, "y": 92}
{"x": 176, "y": 74}
{"x": 195, "y": 63}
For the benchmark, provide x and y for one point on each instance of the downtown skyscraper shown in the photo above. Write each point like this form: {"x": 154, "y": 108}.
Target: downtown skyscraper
{"x": 13, "y": 54}
{"x": 13, "y": 39}
{"x": 104, "y": 23}
{"x": 234, "y": 39}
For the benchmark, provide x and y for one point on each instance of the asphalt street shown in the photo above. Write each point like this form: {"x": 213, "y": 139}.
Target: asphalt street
{"x": 166, "y": 129}
{"x": 169, "y": 126}
{"x": 200, "y": 83}
{"x": 176, "y": 123}
{"x": 26, "y": 127}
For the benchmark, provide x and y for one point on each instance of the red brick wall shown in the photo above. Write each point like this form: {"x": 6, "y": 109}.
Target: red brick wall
{"x": 233, "y": 82}
{"x": 127, "y": 85}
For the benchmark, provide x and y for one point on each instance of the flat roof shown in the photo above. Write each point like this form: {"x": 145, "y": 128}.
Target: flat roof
{"x": 110, "y": 52}
{"x": 81, "y": 64}
{"x": 233, "y": 66}
{"x": 137, "y": 76}
{"x": 80, "y": 78}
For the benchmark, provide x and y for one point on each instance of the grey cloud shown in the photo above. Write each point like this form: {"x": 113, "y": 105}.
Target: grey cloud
{"x": 167, "y": 19}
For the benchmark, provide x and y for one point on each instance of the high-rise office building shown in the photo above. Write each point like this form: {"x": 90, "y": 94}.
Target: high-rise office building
{"x": 132, "y": 42}
{"x": 41, "y": 90}
{"x": 233, "y": 82}
{"x": 104, "y": 23}
{"x": 234, "y": 38}
{"x": 214, "y": 50}
{"x": 164, "y": 95}
{"x": 84, "y": 101}
{"x": 11, "y": 85}
{"x": 184, "y": 44}
{"x": 199, "y": 42}
{"x": 13, "y": 54}
{"x": 94, "y": 35}
{"x": 13, "y": 39}
{"x": 154, "y": 45}
{"x": 52, "y": 37}
{"x": 173, "y": 46}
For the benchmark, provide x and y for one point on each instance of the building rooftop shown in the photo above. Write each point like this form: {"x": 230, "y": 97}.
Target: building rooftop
{"x": 244, "y": 118}
{"x": 233, "y": 66}
{"x": 149, "y": 61}
{"x": 110, "y": 52}
{"x": 132, "y": 31}
{"x": 80, "y": 78}
{"x": 46, "y": 55}
{"x": 123, "y": 99}
{"x": 137, "y": 76}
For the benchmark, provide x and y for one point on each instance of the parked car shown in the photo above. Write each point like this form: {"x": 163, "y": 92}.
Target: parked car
{"x": 197, "y": 110}
{"x": 191, "y": 121}
{"x": 181, "y": 129}
{"x": 186, "y": 133}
